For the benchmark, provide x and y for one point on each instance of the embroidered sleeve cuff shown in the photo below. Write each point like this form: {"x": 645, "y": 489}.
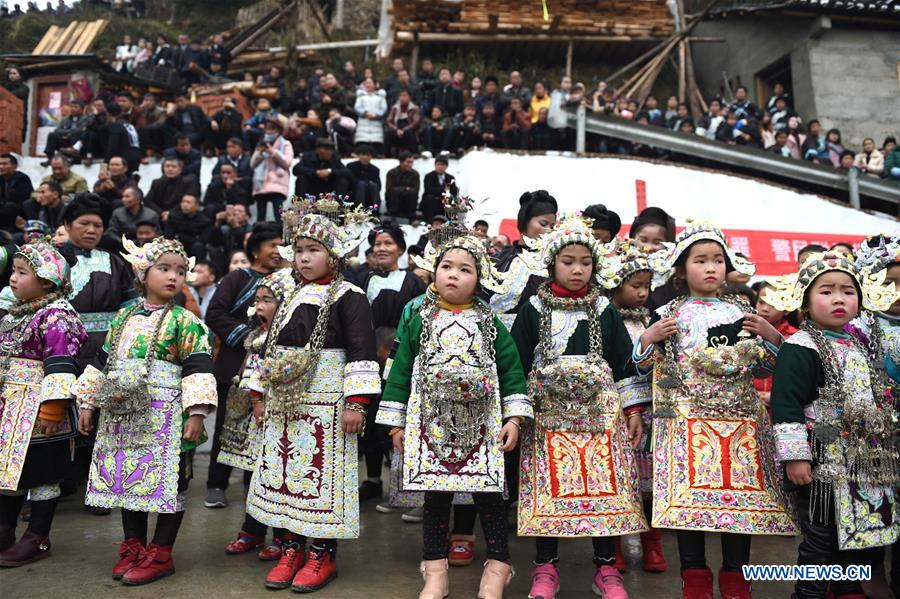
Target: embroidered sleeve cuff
{"x": 635, "y": 391}
{"x": 517, "y": 404}
{"x": 57, "y": 386}
{"x": 198, "y": 390}
{"x": 87, "y": 387}
{"x": 792, "y": 442}
{"x": 641, "y": 358}
{"x": 361, "y": 378}
{"x": 199, "y": 411}
{"x": 236, "y": 336}
{"x": 391, "y": 413}
{"x": 360, "y": 399}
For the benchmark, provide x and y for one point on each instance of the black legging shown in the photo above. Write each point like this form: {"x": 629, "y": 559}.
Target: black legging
{"x": 135, "y": 524}
{"x": 464, "y": 519}
{"x": 257, "y": 528}
{"x": 820, "y": 547}
{"x": 41, "y": 513}
{"x": 692, "y": 550}
{"x": 436, "y": 524}
{"x": 547, "y": 550}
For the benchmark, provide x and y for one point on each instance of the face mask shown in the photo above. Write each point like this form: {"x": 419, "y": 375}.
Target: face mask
{"x": 269, "y": 137}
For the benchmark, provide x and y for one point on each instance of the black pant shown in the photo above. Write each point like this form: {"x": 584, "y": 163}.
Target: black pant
{"x": 218, "y": 475}
{"x": 376, "y": 443}
{"x": 515, "y": 139}
{"x": 436, "y": 524}
{"x": 262, "y": 203}
{"x": 313, "y": 185}
{"x": 135, "y": 524}
{"x": 692, "y": 550}
{"x": 407, "y": 141}
{"x": 430, "y": 206}
{"x": 152, "y": 138}
{"x": 41, "y": 513}
{"x": 255, "y": 527}
{"x": 464, "y": 519}
{"x": 59, "y": 139}
{"x": 820, "y": 547}
{"x": 547, "y": 550}
{"x": 366, "y": 193}
{"x": 402, "y": 203}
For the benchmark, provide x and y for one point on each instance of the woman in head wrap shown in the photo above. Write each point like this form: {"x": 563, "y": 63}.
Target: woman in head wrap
{"x": 388, "y": 289}
{"x": 606, "y": 223}
{"x": 650, "y": 229}
{"x": 537, "y": 215}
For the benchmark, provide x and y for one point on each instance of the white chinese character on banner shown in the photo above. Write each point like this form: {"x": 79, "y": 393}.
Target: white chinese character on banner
{"x": 740, "y": 245}
{"x": 782, "y": 250}
{"x": 797, "y": 245}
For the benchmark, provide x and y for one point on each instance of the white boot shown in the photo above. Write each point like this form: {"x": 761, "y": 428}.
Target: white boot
{"x": 436, "y": 573}
{"x": 496, "y": 576}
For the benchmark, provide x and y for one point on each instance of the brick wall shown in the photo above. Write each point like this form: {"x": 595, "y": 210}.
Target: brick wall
{"x": 12, "y": 116}
{"x": 211, "y": 104}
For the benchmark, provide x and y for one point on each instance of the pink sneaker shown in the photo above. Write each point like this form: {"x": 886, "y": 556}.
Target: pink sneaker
{"x": 608, "y": 583}
{"x": 544, "y": 582}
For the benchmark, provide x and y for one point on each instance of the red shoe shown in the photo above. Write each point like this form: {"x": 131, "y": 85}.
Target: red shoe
{"x": 651, "y": 542}
{"x": 245, "y": 542}
{"x": 320, "y": 569}
{"x": 157, "y": 563}
{"x": 621, "y": 565}
{"x": 462, "y": 550}
{"x": 272, "y": 551}
{"x": 292, "y": 559}
{"x": 131, "y": 552}
{"x": 697, "y": 584}
{"x": 732, "y": 585}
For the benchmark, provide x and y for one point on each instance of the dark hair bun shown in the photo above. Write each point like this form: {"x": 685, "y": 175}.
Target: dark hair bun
{"x": 68, "y": 254}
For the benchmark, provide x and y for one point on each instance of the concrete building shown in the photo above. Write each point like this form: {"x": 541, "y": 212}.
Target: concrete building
{"x": 839, "y": 60}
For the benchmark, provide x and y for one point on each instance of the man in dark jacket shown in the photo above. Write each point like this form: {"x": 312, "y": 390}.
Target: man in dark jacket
{"x": 166, "y": 192}
{"x": 225, "y": 124}
{"x": 235, "y": 156}
{"x": 187, "y": 119}
{"x": 123, "y": 139}
{"x": 401, "y": 190}
{"x": 47, "y": 206}
{"x": 224, "y": 190}
{"x": 189, "y": 156}
{"x": 69, "y": 132}
{"x": 742, "y": 107}
{"x": 188, "y": 224}
{"x": 321, "y": 171}
{"x": 367, "y": 179}
{"x": 110, "y": 185}
{"x": 15, "y": 187}
{"x": 436, "y": 183}
{"x": 448, "y": 97}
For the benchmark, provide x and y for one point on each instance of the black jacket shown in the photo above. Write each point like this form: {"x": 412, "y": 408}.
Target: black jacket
{"x": 188, "y": 229}
{"x": 191, "y": 162}
{"x": 17, "y": 189}
{"x": 230, "y": 122}
{"x": 52, "y": 217}
{"x": 218, "y": 196}
{"x": 432, "y": 188}
{"x": 365, "y": 172}
{"x": 165, "y": 193}
{"x": 196, "y": 115}
{"x": 310, "y": 163}
{"x": 123, "y": 142}
{"x": 449, "y": 98}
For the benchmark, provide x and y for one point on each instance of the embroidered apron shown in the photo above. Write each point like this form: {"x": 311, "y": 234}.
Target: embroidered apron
{"x": 19, "y": 405}
{"x": 306, "y": 477}
{"x": 578, "y": 475}
{"x": 135, "y": 462}
{"x": 717, "y": 475}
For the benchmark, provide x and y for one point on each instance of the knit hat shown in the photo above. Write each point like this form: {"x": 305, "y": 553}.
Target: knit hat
{"x": 534, "y": 203}
{"x": 603, "y": 218}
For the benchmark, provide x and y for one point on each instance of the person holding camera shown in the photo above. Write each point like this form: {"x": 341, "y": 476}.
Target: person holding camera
{"x": 271, "y": 163}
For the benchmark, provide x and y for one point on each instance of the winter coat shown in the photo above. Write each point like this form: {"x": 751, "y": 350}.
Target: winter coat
{"x": 873, "y": 163}
{"x": 275, "y": 175}
{"x": 370, "y": 130}
{"x": 412, "y": 115}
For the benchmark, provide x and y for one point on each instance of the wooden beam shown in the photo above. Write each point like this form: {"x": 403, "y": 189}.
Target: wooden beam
{"x": 554, "y": 25}
{"x": 75, "y": 40}
{"x": 63, "y": 39}
{"x": 414, "y": 62}
{"x": 48, "y": 38}
{"x": 332, "y": 45}
{"x": 319, "y": 18}
{"x": 569, "y": 52}
{"x": 486, "y": 37}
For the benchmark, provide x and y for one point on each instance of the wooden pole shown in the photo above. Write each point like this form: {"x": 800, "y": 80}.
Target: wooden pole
{"x": 339, "y": 14}
{"x": 682, "y": 70}
{"x": 569, "y": 50}
{"x": 414, "y": 60}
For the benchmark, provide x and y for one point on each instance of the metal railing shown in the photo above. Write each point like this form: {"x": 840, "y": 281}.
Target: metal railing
{"x": 764, "y": 164}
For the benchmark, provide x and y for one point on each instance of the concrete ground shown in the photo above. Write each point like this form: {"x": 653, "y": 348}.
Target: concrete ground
{"x": 383, "y": 563}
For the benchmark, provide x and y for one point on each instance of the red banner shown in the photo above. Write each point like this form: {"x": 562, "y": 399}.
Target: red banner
{"x": 773, "y": 252}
